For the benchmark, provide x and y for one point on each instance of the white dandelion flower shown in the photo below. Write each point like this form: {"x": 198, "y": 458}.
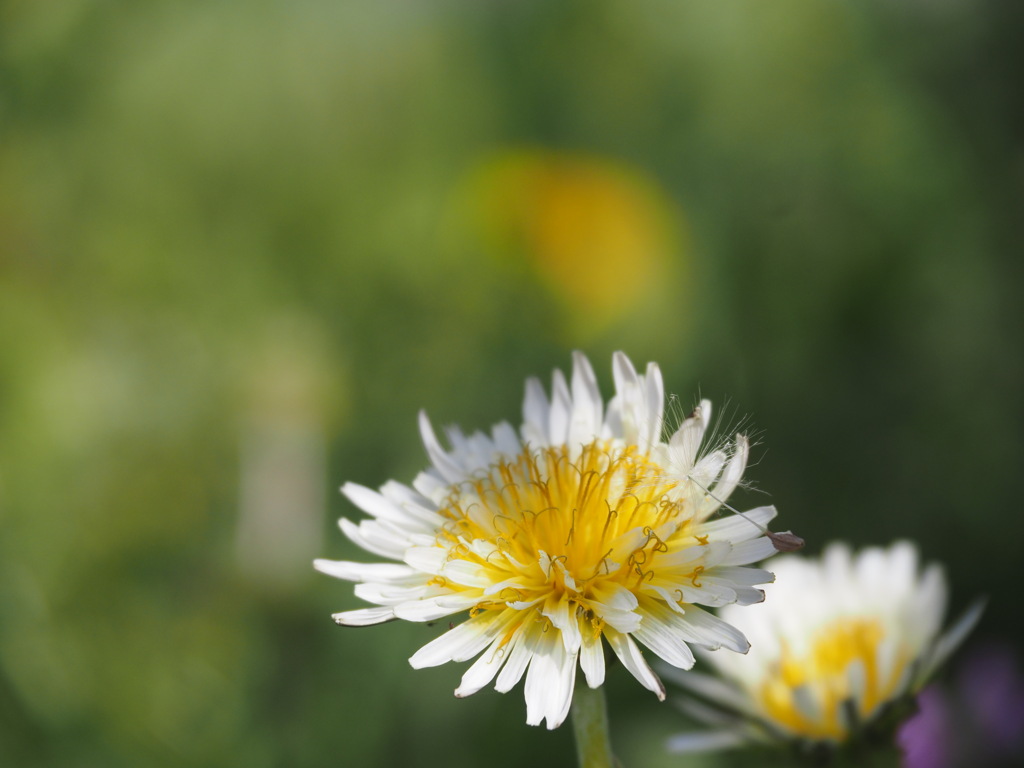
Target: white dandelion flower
{"x": 840, "y": 642}
{"x": 582, "y": 528}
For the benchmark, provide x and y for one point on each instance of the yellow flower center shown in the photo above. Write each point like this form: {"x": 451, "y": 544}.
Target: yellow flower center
{"x": 823, "y": 673}
{"x": 548, "y": 526}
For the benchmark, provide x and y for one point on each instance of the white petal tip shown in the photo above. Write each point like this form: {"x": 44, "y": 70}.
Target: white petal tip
{"x": 714, "y": 741}
{"x": 365, "y": 617}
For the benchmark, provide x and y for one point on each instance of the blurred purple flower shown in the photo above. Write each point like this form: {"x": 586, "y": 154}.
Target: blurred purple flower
{"x": 924, "y": 738}
{"x": 978, "y": 722}
{"x": 993, "y": 688}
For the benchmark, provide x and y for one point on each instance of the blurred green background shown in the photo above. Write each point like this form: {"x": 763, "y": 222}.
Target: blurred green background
{"x": 242, "y": 242}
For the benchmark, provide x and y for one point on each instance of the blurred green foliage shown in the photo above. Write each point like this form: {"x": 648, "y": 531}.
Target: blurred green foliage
{"x": 243, "y": 242}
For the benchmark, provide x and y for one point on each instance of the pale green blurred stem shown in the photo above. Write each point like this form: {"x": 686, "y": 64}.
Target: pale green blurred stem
{"x": 590, "y": 726}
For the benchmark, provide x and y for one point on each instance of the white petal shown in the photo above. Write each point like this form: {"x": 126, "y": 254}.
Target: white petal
{"x": 929, "y": 602}
{"x": 444, "y": 464}
{"x": 707, "y": 469}
{"x": 536, "y": 414}
{"x": 471, "y": 453}
{"x": 624, "y": 373}
{"x": 732, "y": 584}
{"x": 655, "y": 395}
{"x": 806, "y": 702}
{"x": 400, "y": 493}
{"x": 592, "y": 658}
{"x": 518, "y": 660}
{"x": 557, "y": 609}
{"x": 688, "y": 557}
{"x": 484, "y": 669}
{"x": 709, "y": 592}
{"x": 886, "y": 657}
{"x": 585, "y": 423}
{"x": 434, "y": 607}
{"x": 388, "y": 572}
{"x": 364, "y": 617}
{"x": 613, "y": 427}
{"x": 522, "y": 605}
{"x": 621, "y": 621}
{"x": 616, "y": 606}
{"x": 731, "y": 476}
{"x": 684, "y": 445}
{"x": 380, "y": 593}
{"x": 700, "y": 627}
{"x": 462, "y": 642}
{"x": 627, "y": 411}
{"x": 506, "y": 441}
{"x": 376, "y": 537}
{"x": 614, "y": 596}
{"x": 562, "y": 701}
{"x": 535, "y": 690}
{"x": 432, "y": 486}
{"x": 857, "y": 679}
{"x": 467, "y": 573}
{"x": 705, "y": 741}
{"x": 737, "y": 528}
{"x": 498, "y": 587}
{"x": 418, "y": 508}
{"x": 951, "y": 640}
{"x": 560, "y": 414}
{"x": 752, "y": 551}
{"x": 739, "y": 576}
{"x": 378, "y": 506}
{"x": 426, "y": 559}
{"x": 549, "y": 684}
{"x": 660, "y": 638}
{"x": 711, "y": 688}
{"x": 902, "y": 562}
{"x": 633, "y": 660}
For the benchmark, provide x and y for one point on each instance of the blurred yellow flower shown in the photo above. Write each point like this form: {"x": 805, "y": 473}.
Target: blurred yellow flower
{"x": 601, "y": 235}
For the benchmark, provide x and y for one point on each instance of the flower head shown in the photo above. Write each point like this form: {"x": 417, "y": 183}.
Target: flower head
{"x": 582, "y": 528}
{"x": 842, "y": 641}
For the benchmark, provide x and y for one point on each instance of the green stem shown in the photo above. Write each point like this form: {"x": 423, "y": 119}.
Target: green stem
{"x": 590, "y": 726}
